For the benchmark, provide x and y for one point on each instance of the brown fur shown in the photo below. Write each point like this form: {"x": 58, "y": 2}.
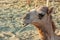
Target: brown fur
{"x": 42, "y": 31}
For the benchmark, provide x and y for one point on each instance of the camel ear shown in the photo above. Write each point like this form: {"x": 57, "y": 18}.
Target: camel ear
{"x": 50, "y": 10}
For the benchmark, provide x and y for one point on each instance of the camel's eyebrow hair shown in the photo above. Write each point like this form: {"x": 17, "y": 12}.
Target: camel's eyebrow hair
{"x": 45, "y": 9}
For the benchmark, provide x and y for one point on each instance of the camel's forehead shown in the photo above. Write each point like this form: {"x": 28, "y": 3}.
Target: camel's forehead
{"x": 34, "y": 13}
{"x": 42, "y": 9}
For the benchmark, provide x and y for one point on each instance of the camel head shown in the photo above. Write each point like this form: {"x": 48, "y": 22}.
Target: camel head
{"x": 37, "y": 16}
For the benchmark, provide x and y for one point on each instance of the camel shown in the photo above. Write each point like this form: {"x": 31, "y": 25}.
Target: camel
{"x": 41, "y": 18}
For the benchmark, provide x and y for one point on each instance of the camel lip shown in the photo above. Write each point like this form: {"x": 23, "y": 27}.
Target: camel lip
{"x": 25, "y": 24}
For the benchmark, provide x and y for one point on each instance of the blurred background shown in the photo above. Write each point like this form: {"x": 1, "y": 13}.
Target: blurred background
{"x": 11, "y": 12}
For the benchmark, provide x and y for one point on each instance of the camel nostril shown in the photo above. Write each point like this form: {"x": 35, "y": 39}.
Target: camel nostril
{"x": 23, "y": 24}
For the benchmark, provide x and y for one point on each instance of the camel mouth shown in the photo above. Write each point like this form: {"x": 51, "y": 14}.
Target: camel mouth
{"x": 25, "y": 24}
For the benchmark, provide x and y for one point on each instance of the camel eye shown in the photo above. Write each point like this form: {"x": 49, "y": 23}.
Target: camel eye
{"x": 40, "y": 15}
